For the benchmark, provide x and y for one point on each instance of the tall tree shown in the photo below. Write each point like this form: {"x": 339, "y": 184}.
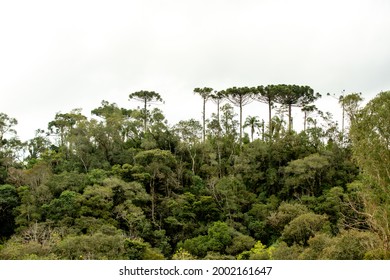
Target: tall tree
{"x": 9, "y": 144}
{"x": 63, "y": 123}
{"x": 370, "y": 135}
{"x": 350, "y": 104}
{"x": 217, "y": 98}
{"x": 189, "y": 132}
{"x": 155, "y": 168}
{"x": 205, "y": 93}
{"x": 307, "y": 109}
{"x": 294, "y": 95}
{"x": 239, "y": 96}
{"x": 146, "y": 97}
{"x": 267, "y": 95}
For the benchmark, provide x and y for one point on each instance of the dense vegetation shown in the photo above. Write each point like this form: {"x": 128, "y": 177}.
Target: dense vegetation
{"x": 126, "y": 185}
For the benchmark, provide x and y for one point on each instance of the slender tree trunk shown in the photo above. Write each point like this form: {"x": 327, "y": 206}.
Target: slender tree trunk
{"x": 193, "y": 164}
{"x": 219, "y": 123}
{"x": 240, "y": 121}
{"x": 289, "y": 118}
{"x": 153, "y": 195}
{"x": 204, "y": 119}
{"x": 262, "y": 131}
{"x": 269, "y": 120}
{"x": 145, "y": 116}
{"x": 219, "y": 159}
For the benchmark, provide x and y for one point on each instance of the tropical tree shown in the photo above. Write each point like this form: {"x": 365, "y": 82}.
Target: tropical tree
{"x": 253, "y": 122}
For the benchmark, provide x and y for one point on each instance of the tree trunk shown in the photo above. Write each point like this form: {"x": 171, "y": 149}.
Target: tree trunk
{"x": 241, "y": 121}
{"x": 204, "y": 119}
{"x": 145, "y": 116}
{"x": 269, "y": 120}
{"x": 152, "y": 194}
{"x": 289, "y": 118}
{"x": 262, "y": 131}
{"x": 219, "y": 124}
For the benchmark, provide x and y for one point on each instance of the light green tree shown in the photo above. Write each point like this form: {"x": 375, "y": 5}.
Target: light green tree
{"x": 370, "y": 135}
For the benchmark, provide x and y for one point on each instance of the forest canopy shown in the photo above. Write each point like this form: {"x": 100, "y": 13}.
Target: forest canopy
{"x": 124, "y": 184}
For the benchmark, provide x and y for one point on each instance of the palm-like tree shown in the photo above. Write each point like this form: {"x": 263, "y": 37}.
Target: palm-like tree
{"x": 253, "y": 122}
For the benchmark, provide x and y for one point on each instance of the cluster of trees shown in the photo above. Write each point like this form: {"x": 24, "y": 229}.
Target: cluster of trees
{"x": 125, "y": 184}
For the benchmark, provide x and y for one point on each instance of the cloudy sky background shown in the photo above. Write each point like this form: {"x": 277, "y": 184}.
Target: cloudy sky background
{"x": 59, "y": 55}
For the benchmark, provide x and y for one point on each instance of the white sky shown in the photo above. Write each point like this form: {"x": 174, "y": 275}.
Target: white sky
{"x": 59, "y": 55}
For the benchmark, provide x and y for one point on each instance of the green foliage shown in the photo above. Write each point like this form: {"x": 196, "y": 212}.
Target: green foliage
{"x": 182, "y": 254}
{"x": 306, "y": 176}
{"x": 9, "y": 200}
{"x": 98, "y": 246}
{"x": 258, "y": 252}
{"x": 281, "y": 251}
{"x": 136, "y": 249}
{"x": 126, "y": 185}
{"x": 67, "y": 205}
{"x": 370, "y": 135}
{"x": 285, "y": 214}
{"x": 301, "y": 228}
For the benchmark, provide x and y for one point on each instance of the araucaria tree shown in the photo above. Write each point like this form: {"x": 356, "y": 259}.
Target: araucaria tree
{"x": 205, "y": 93}
{"x": 146, "y": 97}
{"x": 239, "y": 96}
{"x": 217, "y": 98}
{"x": 294, "y": 95}
{"x": 267, "y": 95}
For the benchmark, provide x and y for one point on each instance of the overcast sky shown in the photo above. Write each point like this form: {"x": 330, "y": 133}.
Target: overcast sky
{"x": 59, "y": 55}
